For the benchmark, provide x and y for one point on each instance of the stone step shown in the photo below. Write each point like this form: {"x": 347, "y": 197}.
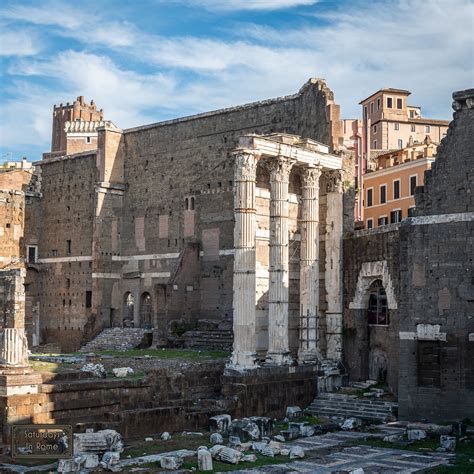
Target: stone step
{"x": 116, "y": 339}
{"x": 356, "y": 404}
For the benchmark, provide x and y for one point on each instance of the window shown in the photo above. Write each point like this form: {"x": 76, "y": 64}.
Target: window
{"x": 68, "y": 247}
{"x": 411, "y": 211}
{"x": 396, "y": 216}
{"x": 427, "y": 128}
{"x": 389, "y": 103}
{"x": 413, "y": 127}
{"x": 192, "y": 204}
{"x": 396, "y": 126}
{"x": 370, "y": 193}
{"x": 375, "y": 144}
{"x": 377, "y": 311}
{"x": 8, "y": 225}
{"x": 370, "y": 223}
{"x": 186, "y": 203}
{"x": 383, "y": 220}
{"x": 365, "y": 112}
{"x": 145, "y": 310}
{"x": 32, "y": 254}
{"x": 413, "y": 182}
{"x": 400, "y": 143}
{"x": 399, "y": 104}
{"x": 68, "y": 283}
{"x": 396, "y": 189}
{"x": 371, "y": 107}
{"x": 412, "y": 114}
{"x": 378, "y": 103}
{"x": 375, "y": 128}
{"x": 383, "y": 194}
{"x": 88, "y": 140}
{"x": 54, "y": 252}
{"x": 88, "y": 299}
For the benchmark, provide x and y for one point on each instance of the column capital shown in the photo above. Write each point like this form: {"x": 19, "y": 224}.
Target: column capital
{"x": 334, "y": 178}
{"x": 310, "y": 176}
{"x": 280, "y": 168}
{"x": 245, "y": 164}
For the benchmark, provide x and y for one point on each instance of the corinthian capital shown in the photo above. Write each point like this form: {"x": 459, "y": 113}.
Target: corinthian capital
{"x": 245, "y": 165}
{"x": 310, "y": 176}
{"x": 280, "y": 168}
{"x": 334, "y": 178}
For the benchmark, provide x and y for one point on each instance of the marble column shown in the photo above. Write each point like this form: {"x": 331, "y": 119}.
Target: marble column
{"x": 309, "y": 265}
{"x": 334, "y": 235}
{"x": 244, "y": 289}
{"x": 278, "y": 337}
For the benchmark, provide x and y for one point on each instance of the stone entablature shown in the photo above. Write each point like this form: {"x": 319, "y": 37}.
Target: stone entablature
{"x": 279, "y": 153}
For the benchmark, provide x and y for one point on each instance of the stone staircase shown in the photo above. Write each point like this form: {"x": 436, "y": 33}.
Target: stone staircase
{"x": 346, "y": 406}
{"x": 209, "y": 339}
{"x": 116, "y": 339}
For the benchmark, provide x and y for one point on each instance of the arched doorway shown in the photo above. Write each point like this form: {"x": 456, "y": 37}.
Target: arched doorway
{"x": 145, "y": 311}
{"x": 378, "y": 320}
{"x": 128, "y": 309}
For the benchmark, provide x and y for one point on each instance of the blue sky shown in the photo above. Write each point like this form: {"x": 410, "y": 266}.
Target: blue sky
{"x": 144, "y": 61}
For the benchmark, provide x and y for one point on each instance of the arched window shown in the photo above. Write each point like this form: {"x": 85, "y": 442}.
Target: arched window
{"x": 145, "y": 310}
{"x": 186, "y": 204}
{"x": 128, "y": 307}
{"x": 192, "y": 204}
{"x": 377, "y": 311}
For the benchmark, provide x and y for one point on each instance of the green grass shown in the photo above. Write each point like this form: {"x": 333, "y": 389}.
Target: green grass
{"x": 186, "y": 354}
{"x": 464, "y": 452}
{"x": 281, "y": 425}
{"x": 49, "y": 367}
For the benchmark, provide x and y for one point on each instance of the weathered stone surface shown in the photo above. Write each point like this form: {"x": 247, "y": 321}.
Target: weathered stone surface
{"x": 293, "y": 412}
{"x": 296, "y": 452}
{"x": 229, "y": 455}
{"x": 204, "y": 459}
{"x": 109, "y": 459}
{"x": 245, "y": 429}
{"x": 265, "y": 424}
{"x": 97, "y": 370}
{"x": 171, "y": 462}
{"x": 220, "y": 423}
{"x": 416, "y": 435}
{"x": 351, "y": 423}
{"x": 448, "y": 442}
{"x": 122, "y": 371}
{"x": 216, "y": 438}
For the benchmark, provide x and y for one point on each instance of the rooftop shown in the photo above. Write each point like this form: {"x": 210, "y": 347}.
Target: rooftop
{"x": 389, "y": 90}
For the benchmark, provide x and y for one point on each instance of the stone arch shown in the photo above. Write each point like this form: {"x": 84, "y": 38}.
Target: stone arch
{"x": 146, "y": 309}
{"x": 369, "y": 273}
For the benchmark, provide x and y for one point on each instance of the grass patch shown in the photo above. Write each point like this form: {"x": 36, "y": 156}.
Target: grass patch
{"x": 185, "y": 354}
{"x": 462, "y": 465}
{"x": 49, "y": 367}
{"x": 157, "y": 446}
{"x": 312, "y": 420}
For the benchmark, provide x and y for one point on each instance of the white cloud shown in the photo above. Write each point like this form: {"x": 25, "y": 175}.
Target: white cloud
{"x": 18, "y": 43}
{"x": 229, "y": 5}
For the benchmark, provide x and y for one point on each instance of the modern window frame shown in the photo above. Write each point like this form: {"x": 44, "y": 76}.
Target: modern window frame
{"x": 410, "y": 211}
{"x": 398, "y": 180}
{"x": 399, "y": 101}
{"x": 413, "y": 128}
{"x": 383, "y": 216}
{"x": 391, "y": 102}
{"x": 396, "y": 126}
{"x": 412, "y": 191}
{"x": 427, "y": 129}
{"x": 400, "y": 143}
{"x": 35, "y": 259}
{"x": 371, "y": 189}
{"x": 375, "y": 145}
{"x": 399, "y": 214}
{"x": 384, "y": 185}
{"x": 371, "y": 221}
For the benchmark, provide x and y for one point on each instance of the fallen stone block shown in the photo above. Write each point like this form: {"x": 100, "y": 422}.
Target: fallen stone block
{"x": 109, "y": 459}
{"x": 234, "y": 441}
{"x": 245, "y": 429}
{"x": 98, "y": 442}
{"x": 216, "y": 438}
{"x": 265, "y": 424}
{"x": 148, "y": 439}
{"x": 204, "y": 459}
{"x": 285, "y": 452}
{"x": 249, "y": 458}
{"x": 431, "y": 428}
{"x": 416, "y": 435}
{"x": 219, "y": 423}
{"x": 171, "y": 462}
{"x": 192, "y": 433}
{"x": 392, "y": 438}
{"x": 459, "y": 428}
{"x": 245, "y": 446}
{"x": 448, "y": 442}
{"x": 122, "y": 371}
{"x": 228, "y": 455}
{"x": 97, "y": 370}
{"x": 350, "y": 424}
{"x": 165, "y": 436}
{"x": 91, "y": 461}
{"x": 70, "y": 465}
{"x": 305, "y": 429}
{"x": 259, "y": 446}
{"x": 293, "y": 412}
{"x": 279, "y": 438}
{"x": 296, "y": 452}
{"x": 290, "y": 435}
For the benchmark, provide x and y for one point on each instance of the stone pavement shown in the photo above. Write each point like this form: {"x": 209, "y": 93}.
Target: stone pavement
{"x": 372, "y": 460}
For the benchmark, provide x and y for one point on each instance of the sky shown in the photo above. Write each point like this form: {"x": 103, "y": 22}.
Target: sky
{"x": 144, "y": 61}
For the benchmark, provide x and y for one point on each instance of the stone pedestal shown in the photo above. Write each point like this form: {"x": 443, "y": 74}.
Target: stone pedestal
{"x": 334, "y": 290}
{"x": 278, "y": 338}
{"x": 309, "y": 265}
{"x": 244, "y": 289}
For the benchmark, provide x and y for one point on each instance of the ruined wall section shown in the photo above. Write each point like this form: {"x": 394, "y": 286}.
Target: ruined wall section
{"x": 65, "y": 247}
{"x": 169, "y": 165}
{"x": 436, "y": 301}
{"x": 366, "y": 348}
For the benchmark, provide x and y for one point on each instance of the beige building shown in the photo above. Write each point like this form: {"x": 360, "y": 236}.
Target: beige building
{"x": 389, "y": 186}
{"x": 390, "y": 122}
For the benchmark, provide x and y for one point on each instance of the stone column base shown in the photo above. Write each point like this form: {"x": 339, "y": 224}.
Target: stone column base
{"x": 242, "y": 361}
{"x": 308, "y": 356}
{"x": 278, "y": 359}
{"x": 18, "y": 381}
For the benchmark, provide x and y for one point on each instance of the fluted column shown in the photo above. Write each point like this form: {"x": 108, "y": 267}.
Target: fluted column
{"x": 334, "y": 234}
{"x": 244, "y": 289}
{"x": 309, "y": 265}
{"x": 278, "y": 337}
{"x": 13, "y": 347}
